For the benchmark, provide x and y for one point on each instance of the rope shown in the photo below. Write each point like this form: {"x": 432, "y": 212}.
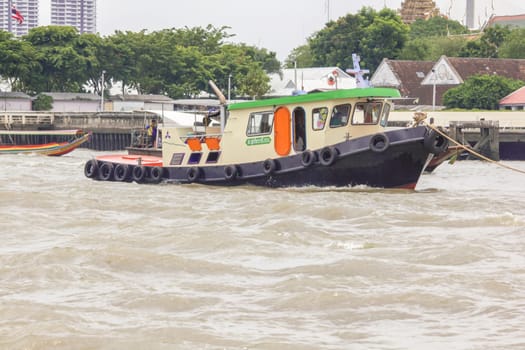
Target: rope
{"x": 470, "y": 150}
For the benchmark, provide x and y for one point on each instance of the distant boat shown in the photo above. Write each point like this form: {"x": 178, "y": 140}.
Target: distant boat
{"x": 11, "y": 141}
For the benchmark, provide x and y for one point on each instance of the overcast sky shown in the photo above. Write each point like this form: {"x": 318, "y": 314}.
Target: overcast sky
{"x": 277, "y": 25}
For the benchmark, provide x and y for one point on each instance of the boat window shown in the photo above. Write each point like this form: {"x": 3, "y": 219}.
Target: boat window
{"x": 340, "y": 115}
{"x": 384, "y": 115}
{"x": 319, "y": 116}
{"x": 260, "y": 123}
{"x": 366, "y": 113}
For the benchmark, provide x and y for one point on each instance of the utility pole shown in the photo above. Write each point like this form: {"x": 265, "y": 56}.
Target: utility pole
{"x": 102, "y": 92}
{"x": 327, "y": 11}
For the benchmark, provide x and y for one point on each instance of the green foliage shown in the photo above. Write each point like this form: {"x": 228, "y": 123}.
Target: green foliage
{"x": 62, "y": 66}
{"x": 302, "y": 56}
{"x": 374, "y": 35}
{"x": 17, "y": 60}
{"x": 255, "y": 83}
{"x": 514, "y": 45}
{"x": 174, "y": 62}
{"x": 480, "y": 92}
{"x": 487, "y": 45}
{"x": 436, "y": 26}
{"x": 43, "y": 103}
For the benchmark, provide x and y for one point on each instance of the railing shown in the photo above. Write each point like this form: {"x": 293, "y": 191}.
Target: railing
{"x": 24, "y": 118}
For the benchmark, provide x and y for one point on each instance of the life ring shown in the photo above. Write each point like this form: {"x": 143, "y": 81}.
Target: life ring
{"x": 308, "y": 158}
{"x": 121, "y": 172}
{"x": 91, "y": 169}
{"x": 435, "y": 143}
{"x": 138, "y": 173}
{"x": 193, "y": 174}
{"x": 269, "y": 166}
{"x": 155, "y": 174}
{"x": 230, "y": 172}
{"x": 106, "y": 171}
{"x": 379, "y": 143}
{"x": 328, "y": 155}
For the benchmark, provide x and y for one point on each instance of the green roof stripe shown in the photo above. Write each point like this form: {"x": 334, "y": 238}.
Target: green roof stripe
{"x": 318, "y": 96}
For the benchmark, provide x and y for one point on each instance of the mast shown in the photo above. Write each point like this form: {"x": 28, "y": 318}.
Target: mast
{"x": 9, "y": 18}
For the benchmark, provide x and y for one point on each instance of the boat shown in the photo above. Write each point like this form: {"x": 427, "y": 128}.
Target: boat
{"x": 450, "y": 155}
{"x": 327, "y": 138}
{"x": 44, "y": 142}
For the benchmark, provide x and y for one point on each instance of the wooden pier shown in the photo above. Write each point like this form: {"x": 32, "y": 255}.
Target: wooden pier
{"x": 110, "y": 130}
{"x": 482, "y": 136}
{"x": 498, "y": 135}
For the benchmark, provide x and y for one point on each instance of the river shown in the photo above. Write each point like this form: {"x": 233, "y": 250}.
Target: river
{"x": 104, "y": 265}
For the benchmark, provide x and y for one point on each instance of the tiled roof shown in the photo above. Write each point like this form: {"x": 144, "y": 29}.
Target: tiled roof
{"x": 511, "y": 21}
{"x": 515, "y": 98}
{"x": 510, "y": 68}
{"x": 410, "y": 74}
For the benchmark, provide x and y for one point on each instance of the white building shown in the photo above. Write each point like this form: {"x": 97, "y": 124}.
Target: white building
{"x": 81, "y": 14}
{"x": 74, "y": 102}
{"x": 14, "y": 102}
{"x": 308, "y": 79}
{"x": 27, "y": 8}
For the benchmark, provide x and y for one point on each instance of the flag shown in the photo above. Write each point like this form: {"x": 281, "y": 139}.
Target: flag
{"x": 16, "y": 15}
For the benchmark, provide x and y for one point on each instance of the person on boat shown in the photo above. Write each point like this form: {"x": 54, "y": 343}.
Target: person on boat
{"x": 152, "y": 133}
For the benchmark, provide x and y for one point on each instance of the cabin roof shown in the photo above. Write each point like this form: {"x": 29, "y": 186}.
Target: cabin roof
{"x": 319, "y": 96}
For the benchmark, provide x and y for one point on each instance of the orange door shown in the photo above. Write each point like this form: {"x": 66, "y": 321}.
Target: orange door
{"x": 283, "y": 138}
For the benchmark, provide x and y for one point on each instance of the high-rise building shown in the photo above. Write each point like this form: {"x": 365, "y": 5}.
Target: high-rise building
{"x": 81, "y": 14}
{"x": 27, "y": 8}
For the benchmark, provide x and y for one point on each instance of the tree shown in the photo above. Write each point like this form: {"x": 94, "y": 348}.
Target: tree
{"x": 374, "y": 35}
{"x": 43, "y": 103}
{"x": 62, "y": 66}
{"x": 514, "y": 45}
{"x": 17, "y": 60}
{"x": 436, "y": 26}
{"x": 480, "y": 92}
{"x": 301, "y": 55}
{"x": 487, "y": 46}
{"x": 255, "y": 83}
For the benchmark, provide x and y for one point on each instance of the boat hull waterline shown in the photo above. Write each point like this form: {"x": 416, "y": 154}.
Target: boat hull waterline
{"x": 390, "y": 159}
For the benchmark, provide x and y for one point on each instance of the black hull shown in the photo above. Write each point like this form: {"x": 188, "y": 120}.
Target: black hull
{"x": 394, "y": 159}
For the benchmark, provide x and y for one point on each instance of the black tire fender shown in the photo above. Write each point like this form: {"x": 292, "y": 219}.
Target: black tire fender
{"x": 328, "y": 155}
{"x": 138, "y": 174}
{"x": 308, "y": 158}
{"x": 269, "y": 166}
{"x": 155, "y": 174}
{"x": 91, "y": 168}
{"x": 435, "y": 143}
{"x": 379, "y": 143}
{"x": 121, "y": 172}
{"x": 231, "y": 172}
{"x": 193, "y": 173}
{"x": 106, "y": 172}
